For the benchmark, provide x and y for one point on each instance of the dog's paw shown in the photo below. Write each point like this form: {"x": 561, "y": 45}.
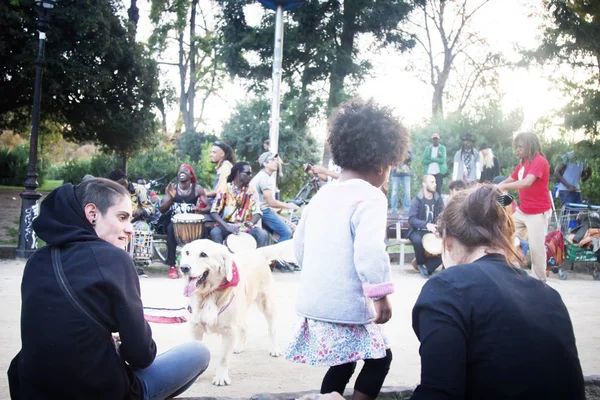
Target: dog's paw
{"x": 221, "y": 377}
{"x": 238, "y": 349}
{"x": 275, "y": 352}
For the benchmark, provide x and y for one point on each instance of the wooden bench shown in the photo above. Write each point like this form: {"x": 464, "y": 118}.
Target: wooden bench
{"x": 395, "y": 226}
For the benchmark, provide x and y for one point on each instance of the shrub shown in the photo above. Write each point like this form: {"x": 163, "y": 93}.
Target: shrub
{"x": 13, "y": 166}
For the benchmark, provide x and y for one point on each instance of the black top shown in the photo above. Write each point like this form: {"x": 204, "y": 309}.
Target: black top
{"x": 489, "y": 331}
{"x": 488, "y": 174}
{"x": 423, "y": 212}
{"x": 63, "y": 354}
{"x": 185, "y": 204}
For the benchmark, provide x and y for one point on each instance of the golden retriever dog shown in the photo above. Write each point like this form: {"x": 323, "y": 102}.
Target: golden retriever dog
{"x": 222, "y": 286}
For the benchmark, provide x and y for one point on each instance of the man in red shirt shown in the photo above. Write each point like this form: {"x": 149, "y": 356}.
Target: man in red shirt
{"x": 531, "y": 178}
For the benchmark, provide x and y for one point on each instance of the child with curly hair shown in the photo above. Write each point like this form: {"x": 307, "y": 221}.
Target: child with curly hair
{"x": 339, "y": 243}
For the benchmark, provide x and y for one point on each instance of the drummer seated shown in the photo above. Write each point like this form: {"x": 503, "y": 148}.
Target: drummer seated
{"x": 236, "y": 209}
{"x": 184, "y": 197}
{"x": 425, "y": 209}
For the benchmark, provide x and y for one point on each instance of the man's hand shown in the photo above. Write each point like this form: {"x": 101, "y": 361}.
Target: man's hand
{"x": 383, "y": 310}
{"x": 431, "y": 228}
{"x": 571, "y": 188}
{"x": 171, "y": 190}
{"x": 317, "y": 169}
{"x": 292, "y": 206}
{"x": 233, "y": 228}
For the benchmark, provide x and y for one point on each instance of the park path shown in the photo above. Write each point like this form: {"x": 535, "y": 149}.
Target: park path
{"x": 254, "y": 371}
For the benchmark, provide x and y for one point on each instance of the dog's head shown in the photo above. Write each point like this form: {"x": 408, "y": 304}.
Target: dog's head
{"x": 205, "y": 264}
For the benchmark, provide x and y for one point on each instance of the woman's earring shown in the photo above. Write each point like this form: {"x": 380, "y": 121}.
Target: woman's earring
{"x": 93, "y": 222}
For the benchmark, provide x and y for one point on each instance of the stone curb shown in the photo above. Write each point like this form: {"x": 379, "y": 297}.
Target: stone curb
{"x": 592, "y": 392}
{"x": 8, "y": 252}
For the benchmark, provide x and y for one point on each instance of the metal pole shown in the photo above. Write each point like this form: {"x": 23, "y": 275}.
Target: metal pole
{"x": 30, "y": 196}
{"x": 277, "y": 62}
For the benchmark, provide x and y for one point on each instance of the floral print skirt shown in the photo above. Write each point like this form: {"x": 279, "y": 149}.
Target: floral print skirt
{"x": 326, "y": 344}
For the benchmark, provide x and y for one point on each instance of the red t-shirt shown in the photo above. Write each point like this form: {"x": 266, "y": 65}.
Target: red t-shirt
{"x": 535, "y": 199}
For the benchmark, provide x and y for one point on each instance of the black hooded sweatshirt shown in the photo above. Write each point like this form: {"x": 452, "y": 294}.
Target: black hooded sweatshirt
{"x": 63, "y": 354}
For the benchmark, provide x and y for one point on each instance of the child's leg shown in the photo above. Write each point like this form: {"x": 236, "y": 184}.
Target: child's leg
{"x": 337, "y": 378}
{"x": 371, "y": 377}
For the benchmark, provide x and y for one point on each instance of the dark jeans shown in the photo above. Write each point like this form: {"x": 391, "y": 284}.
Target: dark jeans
{"x": 569, "y": 197}
{"x": 431, "y": 263}
{"x": 218, "y": 234}
{"x": 439, "y": 182}
{"x": 171, "y": 244}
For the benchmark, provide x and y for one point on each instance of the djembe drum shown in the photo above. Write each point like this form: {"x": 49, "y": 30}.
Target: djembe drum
{"x": 187, "y": 227}
{"x": 432, "y": 244}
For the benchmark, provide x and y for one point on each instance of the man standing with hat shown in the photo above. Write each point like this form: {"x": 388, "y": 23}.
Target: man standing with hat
{"x": 434, "y": 160}
{"x": 467, "y": 166}
{"x": 183, "y": 197}
{"x": 263, "y": 183}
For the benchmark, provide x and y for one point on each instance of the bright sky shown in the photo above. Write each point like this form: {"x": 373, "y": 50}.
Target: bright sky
{"x": 504, "y": 23}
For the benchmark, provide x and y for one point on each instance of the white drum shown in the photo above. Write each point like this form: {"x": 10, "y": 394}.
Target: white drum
{"x": 240, "y": 242}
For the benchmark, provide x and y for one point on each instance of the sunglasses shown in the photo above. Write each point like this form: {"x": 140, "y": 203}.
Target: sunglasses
{"x": 249, "y": 173}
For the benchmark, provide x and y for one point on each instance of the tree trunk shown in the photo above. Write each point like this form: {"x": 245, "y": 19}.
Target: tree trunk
{"x": 124, "y": 164}
{"x": 134, "y": 15}
{"x": 342, "y": 64}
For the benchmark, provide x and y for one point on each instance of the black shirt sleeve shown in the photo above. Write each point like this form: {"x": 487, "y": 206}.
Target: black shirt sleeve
{"x": 440, "y": 322}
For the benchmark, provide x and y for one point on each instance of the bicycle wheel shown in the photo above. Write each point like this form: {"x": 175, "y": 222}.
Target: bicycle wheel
{"x": 160, "y": 249}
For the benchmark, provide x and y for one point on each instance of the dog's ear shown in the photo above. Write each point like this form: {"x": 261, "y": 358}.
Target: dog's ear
{"x": 226, "y": 266}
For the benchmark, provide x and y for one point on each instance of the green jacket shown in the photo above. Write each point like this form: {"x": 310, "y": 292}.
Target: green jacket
{"x": 440, "y": 159}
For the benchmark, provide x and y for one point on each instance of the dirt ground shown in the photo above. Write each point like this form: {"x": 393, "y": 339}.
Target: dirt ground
{"x": 254, "y": 371}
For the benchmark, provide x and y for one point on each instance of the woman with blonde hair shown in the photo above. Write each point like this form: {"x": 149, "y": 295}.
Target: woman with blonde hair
{"x": 489, "y": 330}
{"x": 490, "y": 167}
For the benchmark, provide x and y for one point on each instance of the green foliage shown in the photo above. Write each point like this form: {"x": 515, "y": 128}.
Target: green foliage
{"x": 573, "y": 38}
{"x": 321, "y": 45}
{"x": 151, "y": 164}
{"x": 248, "y": 128}
{"x": 191, "y": 144}
{"x": 487, "y": 124}
{"x": 98, "y": 85}
{"x": 13, "y": 166}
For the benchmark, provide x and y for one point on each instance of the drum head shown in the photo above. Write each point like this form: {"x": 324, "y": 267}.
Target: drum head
{"x": 240, "y": 242}
{"x": 188, "y": 218}
{"x": 432, "y": 244}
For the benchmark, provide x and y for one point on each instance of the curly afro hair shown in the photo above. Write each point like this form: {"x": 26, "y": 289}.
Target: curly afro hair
{"x": 365, "y": 137}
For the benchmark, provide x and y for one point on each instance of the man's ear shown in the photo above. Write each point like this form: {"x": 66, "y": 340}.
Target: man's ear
{"x": 91, "y": 213}
{"x": 226, "y": 267}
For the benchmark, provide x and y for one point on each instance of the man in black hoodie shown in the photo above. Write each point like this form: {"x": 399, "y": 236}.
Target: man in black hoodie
{"x": 425, "y": 208}
{"x": 67, "y": 350}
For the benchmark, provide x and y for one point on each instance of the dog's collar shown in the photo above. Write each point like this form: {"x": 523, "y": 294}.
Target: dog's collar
{"x": 223, "y": 308}
{"x": 235, "y": 278}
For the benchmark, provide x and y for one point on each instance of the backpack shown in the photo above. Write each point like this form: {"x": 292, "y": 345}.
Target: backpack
{"x": 555, "y": 248}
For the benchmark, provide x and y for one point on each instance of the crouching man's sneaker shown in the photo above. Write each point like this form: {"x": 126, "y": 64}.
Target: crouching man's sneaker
{"x": 140, "y": 272}
{"x": 173, "y": 274}
{"x": 423, "y": 271}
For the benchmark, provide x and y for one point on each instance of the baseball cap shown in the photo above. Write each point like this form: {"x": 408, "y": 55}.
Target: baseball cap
{"x": 266, "y": 157}
{"x": 435, "y": 135}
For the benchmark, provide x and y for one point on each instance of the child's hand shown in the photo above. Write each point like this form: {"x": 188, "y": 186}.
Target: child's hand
{"x": 383, "y": 310}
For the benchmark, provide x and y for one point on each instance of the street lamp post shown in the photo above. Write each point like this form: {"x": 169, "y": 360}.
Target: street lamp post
{"x": 30, "y": 196}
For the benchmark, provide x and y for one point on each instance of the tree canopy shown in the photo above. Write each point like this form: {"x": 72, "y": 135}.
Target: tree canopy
{"x": 573, "y": 39}
{"x": 98, "y": 85}
{"x": 320, "y": 48}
